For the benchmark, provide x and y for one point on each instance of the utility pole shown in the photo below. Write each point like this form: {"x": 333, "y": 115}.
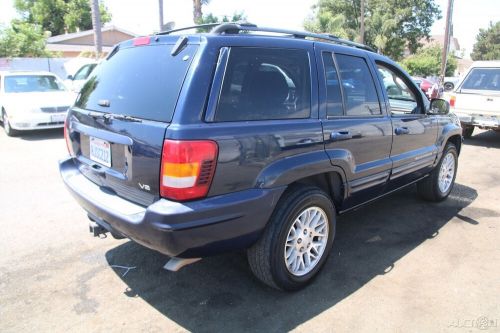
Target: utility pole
{"x": 160, "y": 5}
{"x": 96, "y": 23}
{"x": 362, "y": 23}
{"x": 446, "y": 45}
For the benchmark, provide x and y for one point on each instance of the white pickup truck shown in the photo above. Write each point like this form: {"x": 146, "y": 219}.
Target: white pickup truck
{"x": 476, "y": 98}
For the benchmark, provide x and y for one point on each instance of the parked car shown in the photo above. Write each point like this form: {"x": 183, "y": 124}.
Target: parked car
{"x": 476, "y": 99}
{"x": 32, "y": 101}
{"x": 195, "y": 145}
{"x": 424, "y": 84}
{"x": 75, "y": 82}
{"x": 450, "y": 83}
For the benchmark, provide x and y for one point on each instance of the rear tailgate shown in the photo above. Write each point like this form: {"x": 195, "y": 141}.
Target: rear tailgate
{"x": 479, "y": 93}
{"x": 118, "y": 123}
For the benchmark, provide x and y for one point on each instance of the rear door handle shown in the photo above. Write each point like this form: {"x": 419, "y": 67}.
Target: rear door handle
{"x": 402, "y": 130}
{"x": 340, "y": 135}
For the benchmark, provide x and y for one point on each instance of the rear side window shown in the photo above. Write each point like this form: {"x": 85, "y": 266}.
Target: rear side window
{"x": 265, "y": 84}
{"x": 142, "y": 82}
{"x": 483, "y": 79}
{"x": 333, "y": 92}
{"x": 359, "y": 89}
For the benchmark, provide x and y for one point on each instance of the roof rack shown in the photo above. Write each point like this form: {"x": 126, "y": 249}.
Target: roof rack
{"x": 237, "y": 27}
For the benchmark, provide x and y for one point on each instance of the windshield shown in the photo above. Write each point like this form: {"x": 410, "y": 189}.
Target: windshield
{"x": 483, "y": 79}
{"x": 142, "y": 82}
{"x": 32, "y": 83}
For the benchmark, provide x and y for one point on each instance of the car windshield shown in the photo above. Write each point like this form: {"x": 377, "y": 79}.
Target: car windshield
{"x": 32, "y": 83}
{"x": 483, "y": 79}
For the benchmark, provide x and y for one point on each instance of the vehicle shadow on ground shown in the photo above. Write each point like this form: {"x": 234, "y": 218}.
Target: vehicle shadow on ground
{"x": 56, "y": 133}
{"x": 488, "y": 139}
{"x": 220, "y": 293}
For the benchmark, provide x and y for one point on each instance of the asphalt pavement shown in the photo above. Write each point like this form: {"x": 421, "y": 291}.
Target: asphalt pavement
{"x": 397, "y": 265}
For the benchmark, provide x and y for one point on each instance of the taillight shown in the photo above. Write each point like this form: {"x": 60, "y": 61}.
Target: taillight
{"x": 187, "y": 169}
{"x": 453, "y": 98}
{"x": 69, "y": 145}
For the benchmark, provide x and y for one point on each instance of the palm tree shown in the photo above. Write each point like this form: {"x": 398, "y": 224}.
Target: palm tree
{"x": 197, "y": 13}
{"x": 160, "y": 12}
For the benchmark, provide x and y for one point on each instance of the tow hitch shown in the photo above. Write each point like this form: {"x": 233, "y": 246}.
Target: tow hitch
{"x": 96, "y": 229}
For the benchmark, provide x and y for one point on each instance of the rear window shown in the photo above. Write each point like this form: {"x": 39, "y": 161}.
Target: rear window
{"x": 142, "y": 82}
{"x": 483, "y": 79}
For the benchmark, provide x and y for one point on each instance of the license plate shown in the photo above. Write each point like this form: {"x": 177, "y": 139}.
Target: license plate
{"x": 58, "y": 118}
{"x": 100, "y": 151}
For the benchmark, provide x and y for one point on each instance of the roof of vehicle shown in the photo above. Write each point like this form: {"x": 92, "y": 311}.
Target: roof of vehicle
{"x": 486, "y": 63}
{"x": 246, "y": 29}
{"x": 21, "y": 72}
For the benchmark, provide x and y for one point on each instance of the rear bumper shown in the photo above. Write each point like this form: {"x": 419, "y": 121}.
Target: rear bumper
{"x": 479, "y": 120}
{"x": 187, "y": 230}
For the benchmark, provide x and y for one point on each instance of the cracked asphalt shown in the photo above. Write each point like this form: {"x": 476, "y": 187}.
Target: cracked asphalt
{"x": 398, "y": 265}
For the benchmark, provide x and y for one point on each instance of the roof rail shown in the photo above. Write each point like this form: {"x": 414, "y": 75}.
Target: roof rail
{"x": 208, "y": 25}
{"x": 237, "y": 27}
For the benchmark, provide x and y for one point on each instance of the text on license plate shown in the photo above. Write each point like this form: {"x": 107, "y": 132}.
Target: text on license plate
{"x": 100, "y": 151}
{"x": 58, "y": 118}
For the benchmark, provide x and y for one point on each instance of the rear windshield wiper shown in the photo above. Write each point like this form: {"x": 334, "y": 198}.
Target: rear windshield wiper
{"x": 109, "y": 116}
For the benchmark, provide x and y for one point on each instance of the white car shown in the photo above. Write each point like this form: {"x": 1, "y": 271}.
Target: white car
{"x": 76, "y": 82}
{"x": 33, "y": 100}
{"x": 476, "y": 98}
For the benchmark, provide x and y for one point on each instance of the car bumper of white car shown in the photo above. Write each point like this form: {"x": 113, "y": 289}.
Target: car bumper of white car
{"x": 38, "y": 121}
{"x": 479, "y": 120}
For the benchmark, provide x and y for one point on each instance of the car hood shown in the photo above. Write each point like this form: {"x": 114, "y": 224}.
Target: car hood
{"x": 36, "y": 100}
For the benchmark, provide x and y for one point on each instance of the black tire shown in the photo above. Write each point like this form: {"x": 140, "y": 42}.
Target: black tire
{"x": 6, "y": 125}
{"x": 467, "y": 131}
{"x": 428, "y": 188}
{"x": 448, "y": 86}
{"x": 266, "y": 257}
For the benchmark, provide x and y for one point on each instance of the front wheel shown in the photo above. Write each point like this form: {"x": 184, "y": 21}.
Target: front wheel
{"x": 297, "y": 240}
{"x": 467, "y": 131}
{"x": 438, "y": 185}
{"x": 6, "y": 125}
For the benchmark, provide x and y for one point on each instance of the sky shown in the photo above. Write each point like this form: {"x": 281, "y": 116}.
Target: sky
{"x": 141, "y": 17}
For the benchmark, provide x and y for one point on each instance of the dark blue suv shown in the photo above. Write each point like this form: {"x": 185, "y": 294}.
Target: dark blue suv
{"x": 250, "y": 138}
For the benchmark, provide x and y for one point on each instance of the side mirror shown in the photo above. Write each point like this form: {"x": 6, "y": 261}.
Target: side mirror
{"x": 70, "y": 77}
{"x": 439, "y": 106}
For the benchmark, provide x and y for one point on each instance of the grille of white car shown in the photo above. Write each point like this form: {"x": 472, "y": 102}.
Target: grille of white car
{"x": 55, "y": 109}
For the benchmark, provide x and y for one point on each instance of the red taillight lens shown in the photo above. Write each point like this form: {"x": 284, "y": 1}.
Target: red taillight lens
{"x": 453, "y": 98}
{"x": 69, "y": 145}
{"x": 187, "y": 169}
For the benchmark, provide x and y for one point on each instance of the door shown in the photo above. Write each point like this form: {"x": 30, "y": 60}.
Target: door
{"x": 356, "y": 128}
{"x": 414, "y": 147}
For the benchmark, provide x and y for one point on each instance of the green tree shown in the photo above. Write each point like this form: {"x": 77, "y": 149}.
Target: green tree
{"x": 487, "y": 46}
{"x": 390, "y": 25}
{"x": 59, "y": 16}
{"x": 427, "y": 62}
{"x": 211, "y": 18}
{"x": 22, "y": 39}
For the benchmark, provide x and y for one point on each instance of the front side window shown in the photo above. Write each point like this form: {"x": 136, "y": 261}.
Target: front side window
{"x": 265, "y": 84}
{"x": 32, "y": 83}
{"x": 483, "y": 79}
{"x": 360, "y": 95}
{"x": 402, "y": 99}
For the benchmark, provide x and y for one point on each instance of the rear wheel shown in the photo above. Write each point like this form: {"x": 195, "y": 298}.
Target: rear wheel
{"x": 297, "y": 240}
{"x": 438, "y": 185}
{"x": 6, "y": 125}
{"x": 467, "y": 131}
{"x": 448, "y": 86}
